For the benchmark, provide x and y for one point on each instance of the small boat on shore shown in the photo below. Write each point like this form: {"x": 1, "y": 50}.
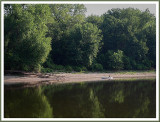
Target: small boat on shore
{"x": 109, "y": 78}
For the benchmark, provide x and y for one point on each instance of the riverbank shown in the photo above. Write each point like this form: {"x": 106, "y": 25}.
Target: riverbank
{"x": 32, "y": 79}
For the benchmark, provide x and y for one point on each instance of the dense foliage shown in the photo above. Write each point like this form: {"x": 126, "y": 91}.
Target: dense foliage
{"x": 26, "y": 44}
{"x": 132, "y": 32}
{"x": 61, "y": 37}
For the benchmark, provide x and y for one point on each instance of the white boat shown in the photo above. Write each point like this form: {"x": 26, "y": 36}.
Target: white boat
{"x": 107, "y": 77}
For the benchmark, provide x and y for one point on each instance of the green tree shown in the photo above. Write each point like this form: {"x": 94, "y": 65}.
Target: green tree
{"x": 26, "y": 44}
{"x": 150, "y": 32}
{"x": 128, "y": 30}
{"x": 65, "y": 16}
{"x": 116, "y": 60}
{"x": 94, "y": 19}
{"x": 80, "y": 45}
{"x": 91, "y": 37}
{"x": 74, "y": 41}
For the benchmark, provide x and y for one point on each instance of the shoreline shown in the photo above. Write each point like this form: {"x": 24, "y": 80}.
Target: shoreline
{"x": 62, "y": 78}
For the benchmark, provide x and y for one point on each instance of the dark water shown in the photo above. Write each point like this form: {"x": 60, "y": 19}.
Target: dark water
{"x": 83, "y": 100}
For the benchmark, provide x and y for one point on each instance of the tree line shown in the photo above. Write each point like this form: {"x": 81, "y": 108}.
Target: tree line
{"x": 60, "y": 37}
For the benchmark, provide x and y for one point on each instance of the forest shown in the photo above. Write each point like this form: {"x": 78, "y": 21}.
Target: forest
{"x": 60, "y": 37}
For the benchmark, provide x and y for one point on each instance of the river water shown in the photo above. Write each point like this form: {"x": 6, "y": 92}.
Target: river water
{"x": 111, "y": 99}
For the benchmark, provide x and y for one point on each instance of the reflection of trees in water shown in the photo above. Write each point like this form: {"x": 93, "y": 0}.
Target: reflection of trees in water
{"x": 89, "y": 100}
{"x": 69, "y": 100}
{"x": 96, "y": 109}
{"x": 143, "y": 110}
{"x": 115, "y": 99}
{"x": 26, "y": 103}
{"x": 145, "y": 94}
{"x": 128, "y": 99}
{"x": 79, "y": 100}
{"x": 117, "y": 93}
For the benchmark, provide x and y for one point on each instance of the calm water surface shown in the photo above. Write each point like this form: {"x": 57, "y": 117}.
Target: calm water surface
{"x": 83, "y": 100}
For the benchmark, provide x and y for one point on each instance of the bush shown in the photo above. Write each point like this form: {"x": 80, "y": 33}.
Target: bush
{"x": 97, "y": 67}
{"x": 147, "y": 63}
{"x": 141, "y": 67}
{"x": 26, "y": 68}
{"x": 84, "y": 69}
{"x": 49, "y": 63}
{"x": 68, "y": 68}
{"x": 77, "y": 69}
{"x": 58, "y": 67}
{"x": 46, "y": 70}
{"x": 36, "y": 68}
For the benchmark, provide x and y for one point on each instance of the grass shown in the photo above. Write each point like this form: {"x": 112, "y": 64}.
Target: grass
{"x": 118, "y": 72}
{"x": 131, "y": 71}
{"x": 48, "y": 70}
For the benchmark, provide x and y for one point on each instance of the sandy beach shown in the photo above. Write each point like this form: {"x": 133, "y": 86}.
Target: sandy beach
{"x": 49, "y": 78}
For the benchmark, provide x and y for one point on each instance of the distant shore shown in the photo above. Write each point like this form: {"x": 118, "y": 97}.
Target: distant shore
{"x": 34, "y": 79}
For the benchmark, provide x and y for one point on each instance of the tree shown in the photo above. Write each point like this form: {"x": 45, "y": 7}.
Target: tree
{"x": 128, "y": 30}
{"x": 96, "y": 20}
{"x": 126, "y": 37}
{"x": 74, "y": 41}
{"x": 26, "y": 44}
{"x": 150, "y": 32}
{"x": 91, "y": 38}
{"x": 65, "y": 16}
{"x": 116, "y": 60}
{"x": 80, "y": 45}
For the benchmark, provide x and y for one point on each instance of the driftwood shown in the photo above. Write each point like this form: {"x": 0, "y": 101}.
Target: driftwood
{"x": 52, "y": 76}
